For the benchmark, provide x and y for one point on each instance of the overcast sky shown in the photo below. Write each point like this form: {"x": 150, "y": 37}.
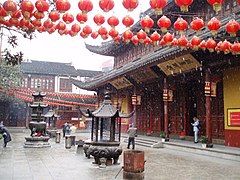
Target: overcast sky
{"x": 53, "y": 47}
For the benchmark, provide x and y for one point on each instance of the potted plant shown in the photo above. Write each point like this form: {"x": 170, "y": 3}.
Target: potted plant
{"x": 149, "y": 132}
{"x": 163, "y": 136}
{"x": 182, "y": 135}
{"x": 204, "y": 141}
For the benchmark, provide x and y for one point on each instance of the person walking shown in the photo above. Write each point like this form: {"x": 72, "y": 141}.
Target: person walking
{"x": 66, "y": 129}
{"x": 195, "y": 129}
{"x": 132, "y": 132}
{"x": 73, "y": 129}
{"x": 6, "y": 135}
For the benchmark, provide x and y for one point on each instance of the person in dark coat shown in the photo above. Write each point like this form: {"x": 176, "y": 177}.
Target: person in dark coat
{"x": 6, "y": 135}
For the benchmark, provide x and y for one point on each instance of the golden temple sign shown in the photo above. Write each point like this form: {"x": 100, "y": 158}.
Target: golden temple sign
{"x": 144, "y": 75}
{"x": 121, "y": 83}
{"x": 179, "y": 65}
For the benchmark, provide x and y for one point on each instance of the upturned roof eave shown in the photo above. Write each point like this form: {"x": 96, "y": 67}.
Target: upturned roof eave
{"x": 160, "y": 55}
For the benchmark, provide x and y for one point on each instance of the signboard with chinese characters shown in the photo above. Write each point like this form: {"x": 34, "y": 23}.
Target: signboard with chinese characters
{"x": 179, "y": 65}
{"x": 144, "y": 75}
{"x": 121, "y": 83}
{"x": 233, "y": 117}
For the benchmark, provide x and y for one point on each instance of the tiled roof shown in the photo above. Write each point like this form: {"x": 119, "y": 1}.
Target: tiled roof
{"x": 55, "y": 68}
{"x": 48, "y": 68}
{"x": 88, "y": 73}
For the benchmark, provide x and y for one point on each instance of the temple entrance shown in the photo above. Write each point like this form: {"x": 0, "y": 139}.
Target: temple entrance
{"x": 191, "y": 105}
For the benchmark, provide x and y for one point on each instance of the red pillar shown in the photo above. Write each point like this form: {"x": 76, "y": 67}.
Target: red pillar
{"x": 165, "y": 104}
{"x": 135, "y": 112}
{"x": 184, "y": 115}
{"x": 208, "y": 110}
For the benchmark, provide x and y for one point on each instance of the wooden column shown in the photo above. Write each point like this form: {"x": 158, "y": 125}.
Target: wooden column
{"x": 97, "y": 127}
{"x": 101, "y": 129}
{"x": 27, "y": 115}
{"x": 184, "y": 114}
{"x": 150, "y": 115}
{"x": 119, "y": 129}
{"x": 92, "y": 128}
{"x": 135, "y": 113}
{"x": 112, "y": 129}
{"x": 165, "y": 105}
{"x": 208, "y": 110}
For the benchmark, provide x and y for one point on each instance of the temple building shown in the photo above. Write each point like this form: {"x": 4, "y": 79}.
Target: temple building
{"x": 167, "y": 83}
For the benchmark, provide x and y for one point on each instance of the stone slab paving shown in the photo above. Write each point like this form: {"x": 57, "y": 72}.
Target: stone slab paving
{"x": 59, "y": 163}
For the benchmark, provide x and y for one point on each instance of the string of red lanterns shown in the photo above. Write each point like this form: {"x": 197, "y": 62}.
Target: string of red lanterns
{"x": 10, "y": 15}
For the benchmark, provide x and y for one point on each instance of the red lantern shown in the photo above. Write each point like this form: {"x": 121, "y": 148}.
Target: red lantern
{"x": 155, "y": 37}
{"x": 174, "y": 42}
{"x": 162, "y": 42}
{"x": 87, "y": 30}
{"x": 68, "y": 18}
{"x": 147, "y": 23}
{"x": 203, "y": 45}
{"x": 117, "y": 39}
{"x": 141, "y": 35}
{"x": 168, "y": 38}
{"x": 217, "y": 4}
{"x": 195, "y": 42}
{"x": 183, "y": 4}
{"x": 135, "y": 40}
{"x": 36, "y": 23}
{"x": 127, "y": 21}
{"x": 14, "y": 22}
{"x": 158, "y": 5}
{"x": 51, "y": 30}
{"x": 38, "y": 15}
{"x": 130, "y": 5}
{"x": 99, "y": 19}
{"x": 41, "y": 29}
{"x": 10, "y": 6}
{"x": 94, "y": 35}
{"x": 82, "y": 17}
{"x": 63, "y": 5}
{"x": 24, "y": 23}
{"x": 232, "y": 27}
{"x": 27, "y": 8}
{"x": 127, "y": 35}
{"x": 197, "y": 24}
{"x": 238, "y": 1}
{"x": 106, "y": 5}
{"x": 75, "y": 28}
{"x": 83, "y": 35}
{"x": 42, "y": 5}
{"x": 102, "y": 31}
{"x": 147, "y": 41}
{"x": 61, "y": 26}
{"x": 226, "y": 46}
{"x": 113, "y": 33}
{"x": 113, "y": 21}
{"x": 105, "y": 36}
{"x": 164, "y": 23}
{"x": 16, "y": 14}
{"x": 3, "y": 13}
{"x": 211, "y": 44}
{"x": 183, "y": 42}
{"x": 54, "y": 15}
{"x": 218, "y": 47}
{"x": 48, "y": 24}
{"x": 213, "y": 25}
{"x": 85, "y": 6}
{"x": 180, "y": 25}
{"x": 235, "y": 48}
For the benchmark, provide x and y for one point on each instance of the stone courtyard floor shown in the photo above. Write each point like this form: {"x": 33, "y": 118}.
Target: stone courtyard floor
{"x": 59, "y": 163}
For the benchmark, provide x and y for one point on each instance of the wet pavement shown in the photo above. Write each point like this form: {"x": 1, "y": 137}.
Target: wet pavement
{"x": 59, "y": 163}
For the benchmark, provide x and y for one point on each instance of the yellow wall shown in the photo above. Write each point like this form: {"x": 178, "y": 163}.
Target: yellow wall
{"x": 231, "y": 90}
